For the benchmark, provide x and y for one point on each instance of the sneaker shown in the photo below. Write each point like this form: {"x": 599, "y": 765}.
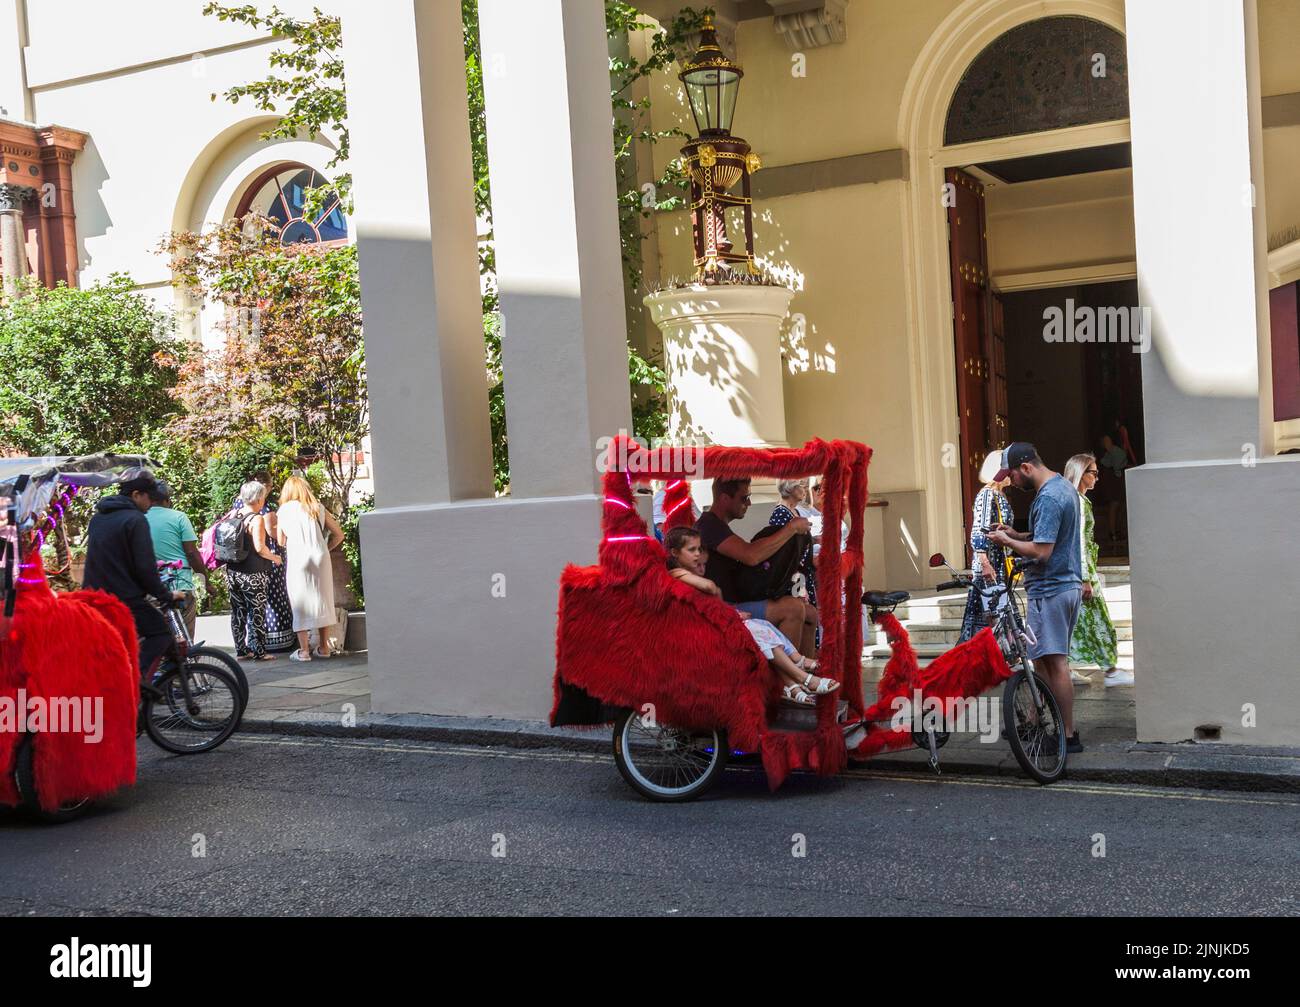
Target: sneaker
{"x": 1118, "y": 677}
{"x": 1073, "y": 745}
{"x": 1078, "y": 679}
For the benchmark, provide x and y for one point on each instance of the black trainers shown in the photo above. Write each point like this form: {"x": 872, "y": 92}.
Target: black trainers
{"x": 1073, "y": 745}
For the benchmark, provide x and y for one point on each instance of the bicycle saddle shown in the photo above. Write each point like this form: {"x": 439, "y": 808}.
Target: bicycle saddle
{"x": 885, "y": 599}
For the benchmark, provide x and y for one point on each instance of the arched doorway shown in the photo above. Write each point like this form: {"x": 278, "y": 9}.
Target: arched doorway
{"x": 939, "y": 159}
{"x": 1045, "y": 313}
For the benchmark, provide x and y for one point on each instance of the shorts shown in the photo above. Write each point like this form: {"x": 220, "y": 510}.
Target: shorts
{"x": 757, "y": 609}
{"x": 1051, "y": 621}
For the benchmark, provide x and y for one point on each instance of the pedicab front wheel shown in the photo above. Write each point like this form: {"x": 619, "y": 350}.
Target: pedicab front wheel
{"x": 664, "y": 763}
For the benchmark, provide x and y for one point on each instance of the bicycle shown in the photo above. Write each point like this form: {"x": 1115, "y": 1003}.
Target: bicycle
{"x": 197, "y": 653}
{"x": 1034, "y": 727}
{"x": 190, "y": 706}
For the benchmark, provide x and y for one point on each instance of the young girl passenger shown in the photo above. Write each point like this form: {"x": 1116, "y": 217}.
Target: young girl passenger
{"x": 686, "y": 561}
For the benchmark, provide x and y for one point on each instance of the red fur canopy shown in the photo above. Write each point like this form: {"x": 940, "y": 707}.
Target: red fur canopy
{"x": 968, "y": 669}
{"x": 629, "y": 634}
{"x": 70, "y": 646}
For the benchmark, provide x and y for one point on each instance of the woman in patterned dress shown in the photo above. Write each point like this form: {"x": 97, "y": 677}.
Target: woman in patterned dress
{"x": 277, "y": 613}
{"x": 1095, "y": 640}
{"x": 989, "y": 562}
{"x": 794, "y": 496}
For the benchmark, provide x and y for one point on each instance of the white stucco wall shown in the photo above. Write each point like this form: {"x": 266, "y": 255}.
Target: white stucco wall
{"x": 162, "y": 154}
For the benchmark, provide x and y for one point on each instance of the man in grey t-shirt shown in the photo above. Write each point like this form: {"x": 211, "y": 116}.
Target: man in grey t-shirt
{"x": 1054, "y": 584}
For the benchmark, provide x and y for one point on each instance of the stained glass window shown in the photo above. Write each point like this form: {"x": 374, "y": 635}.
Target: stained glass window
{"x": 282, "y": 198}
{"x": 1046, "y": 74}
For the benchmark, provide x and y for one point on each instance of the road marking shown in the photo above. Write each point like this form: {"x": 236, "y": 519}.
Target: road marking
{"x": 561, "y": 755}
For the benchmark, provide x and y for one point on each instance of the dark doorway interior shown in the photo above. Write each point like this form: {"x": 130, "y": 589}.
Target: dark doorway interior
{"x": 1065, "y": 397}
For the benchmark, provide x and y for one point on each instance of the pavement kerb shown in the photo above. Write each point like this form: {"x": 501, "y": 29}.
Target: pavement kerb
{"x": 1175, "y": 766}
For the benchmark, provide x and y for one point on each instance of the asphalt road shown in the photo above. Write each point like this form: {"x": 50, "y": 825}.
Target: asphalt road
{"x": 302, "y": 826}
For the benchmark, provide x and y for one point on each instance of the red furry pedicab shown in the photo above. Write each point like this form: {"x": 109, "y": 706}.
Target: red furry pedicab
{"x": 70, "y": 695}
{"x": 677, "y": 673}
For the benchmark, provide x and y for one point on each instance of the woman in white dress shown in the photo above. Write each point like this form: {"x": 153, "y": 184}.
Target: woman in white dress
{"x": 308, "y": 532}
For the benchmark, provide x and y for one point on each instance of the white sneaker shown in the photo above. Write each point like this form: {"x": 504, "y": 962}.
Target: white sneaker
{"x": 1078, "y": 679}
{"x": 1118, "y": 677}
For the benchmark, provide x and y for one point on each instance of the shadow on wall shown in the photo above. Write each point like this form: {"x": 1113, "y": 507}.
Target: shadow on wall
{"x": 88, "y": 177}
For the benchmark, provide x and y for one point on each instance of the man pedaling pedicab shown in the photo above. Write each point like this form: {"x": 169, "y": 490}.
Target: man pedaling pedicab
{"x": 120, "y": 561}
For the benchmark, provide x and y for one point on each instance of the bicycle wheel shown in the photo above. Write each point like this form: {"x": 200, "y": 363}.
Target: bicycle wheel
{"x": 1034, "y": 729}
{"x": 25, "y": 779}
{"x": 220, "y": 659}
{"x": 665, "y": 764}
{"x": 200, "y": 708}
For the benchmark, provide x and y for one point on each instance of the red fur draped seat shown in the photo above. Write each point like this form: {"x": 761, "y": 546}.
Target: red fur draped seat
{"x": 73, "y": 646}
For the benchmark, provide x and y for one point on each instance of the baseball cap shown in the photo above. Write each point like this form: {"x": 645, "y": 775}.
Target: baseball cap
{"x": 138, "y": 480}
{"x": 1015, "y": 455}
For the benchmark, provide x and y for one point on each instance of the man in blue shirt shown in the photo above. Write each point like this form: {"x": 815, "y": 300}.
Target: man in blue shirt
{"x": 1054, "y": 584}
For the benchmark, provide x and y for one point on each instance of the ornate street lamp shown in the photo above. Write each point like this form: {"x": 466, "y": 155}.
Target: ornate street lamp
{"x": 715, "y": 159}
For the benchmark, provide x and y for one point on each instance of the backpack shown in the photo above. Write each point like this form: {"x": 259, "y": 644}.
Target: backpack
{"x": 774, "y": 577}
{"x": 226, "y": 541}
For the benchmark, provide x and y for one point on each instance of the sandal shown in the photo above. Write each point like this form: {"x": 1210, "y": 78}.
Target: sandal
{"x": 823, "y": 686}
{"x": 297, "y": 656}
{"x": 324, "y": 657}
{"x": 806, "y": 663}
{"x": 799, "y": 696}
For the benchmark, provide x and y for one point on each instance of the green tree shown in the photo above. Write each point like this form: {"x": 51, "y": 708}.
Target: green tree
{"x": 292, "y": 364}
{"x": 306, "y": 91}
{"x": 305, "y": 87}
{"x": 84, "y": 369}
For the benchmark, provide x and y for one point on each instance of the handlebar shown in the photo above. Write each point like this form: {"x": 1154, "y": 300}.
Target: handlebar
{"x": 949, "y": 585}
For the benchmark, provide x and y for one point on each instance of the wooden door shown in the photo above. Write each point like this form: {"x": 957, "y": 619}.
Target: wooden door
{"x": 977, "y": 409}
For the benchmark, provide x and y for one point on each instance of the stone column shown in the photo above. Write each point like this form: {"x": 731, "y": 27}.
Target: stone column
{"x": 1200, "y": 234}
{"x": 13, "y": 247}
{"x": 1214, "y": 548}
{"x": 550, "y": 145}
{"x": 460, "y": 592}
{"x": 415, "y": 232}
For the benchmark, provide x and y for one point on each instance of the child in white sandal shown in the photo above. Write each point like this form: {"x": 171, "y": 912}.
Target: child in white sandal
{"x": 686, "y": 562}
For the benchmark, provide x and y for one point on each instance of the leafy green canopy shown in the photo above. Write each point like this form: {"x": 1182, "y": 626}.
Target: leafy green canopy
{"x": 81, "y": 369}
{"x": 306, "y": 91}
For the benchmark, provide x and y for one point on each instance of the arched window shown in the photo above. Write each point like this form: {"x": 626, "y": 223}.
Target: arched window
{"x": 280, "y": 194}
{"x": 1046, "y": 74}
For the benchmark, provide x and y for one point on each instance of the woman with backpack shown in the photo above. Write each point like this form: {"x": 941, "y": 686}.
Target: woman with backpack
{"x": 242, "y": 534}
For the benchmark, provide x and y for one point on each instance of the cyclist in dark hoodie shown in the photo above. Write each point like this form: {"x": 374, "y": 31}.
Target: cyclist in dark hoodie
{"x": 120, "y": 560}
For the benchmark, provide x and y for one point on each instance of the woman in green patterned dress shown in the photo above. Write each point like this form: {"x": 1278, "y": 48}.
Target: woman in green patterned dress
{"x": 1094, "y": 640}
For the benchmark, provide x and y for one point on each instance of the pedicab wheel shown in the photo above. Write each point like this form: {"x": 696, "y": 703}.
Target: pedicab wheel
{"x": 1034, "y": 729}
{"x": 25, "y": 778}
{"x": 219, "y": 659}
{"x": 200, "y": 707}
{"x": 667, "y": 764}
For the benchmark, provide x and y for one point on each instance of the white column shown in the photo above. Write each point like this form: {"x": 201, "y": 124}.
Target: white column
{"x": 1198, "y": 216}
{"x": 1211, "y": 515}
{"x": 554, "y": 218}
{"x": 415, "y": 232}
